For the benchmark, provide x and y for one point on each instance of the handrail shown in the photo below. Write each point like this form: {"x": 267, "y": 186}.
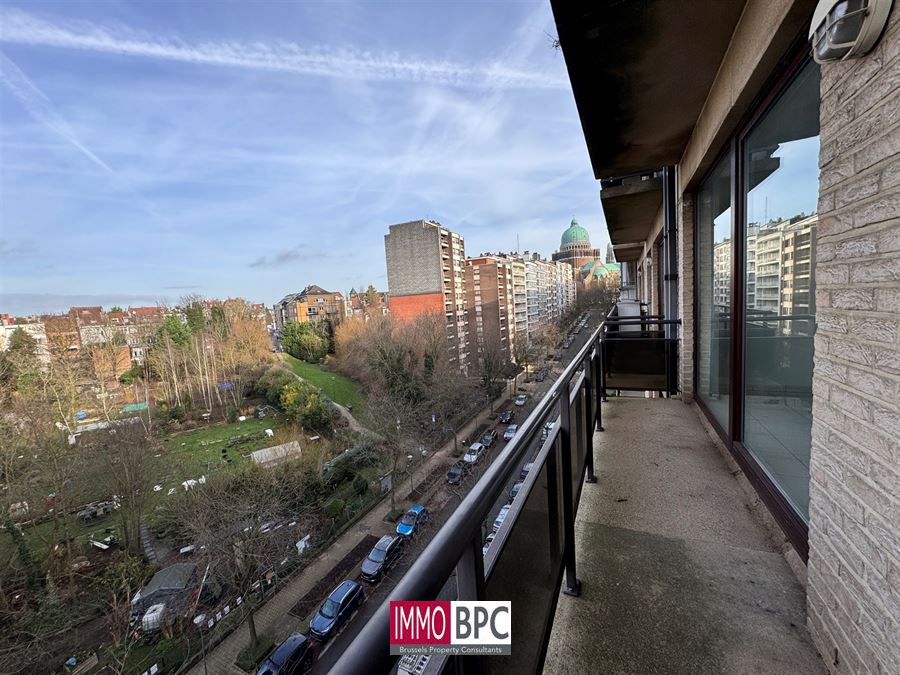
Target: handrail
{"x": 457, "y": 544}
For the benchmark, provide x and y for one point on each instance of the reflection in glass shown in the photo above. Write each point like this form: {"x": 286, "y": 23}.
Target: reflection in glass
{"x": 714, "y": 289}
{"x": 781, "y": 191}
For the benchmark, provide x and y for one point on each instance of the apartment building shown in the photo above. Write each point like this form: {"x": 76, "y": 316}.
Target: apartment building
{"x": 425, "y": 275}
{"x": 313, "y": 304}
{"x": 490, "y": 305}
{"x": 767, "y": 207}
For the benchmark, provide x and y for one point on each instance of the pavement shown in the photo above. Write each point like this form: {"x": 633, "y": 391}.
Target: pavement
{"x": 678, "y": 573}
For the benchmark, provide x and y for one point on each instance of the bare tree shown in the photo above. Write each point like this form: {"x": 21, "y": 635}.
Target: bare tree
{"x": 232, "y": 520}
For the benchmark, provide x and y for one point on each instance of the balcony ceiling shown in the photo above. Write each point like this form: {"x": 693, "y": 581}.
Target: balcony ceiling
{"x": 630, "y": 206}
{"x": 640, "y": 73}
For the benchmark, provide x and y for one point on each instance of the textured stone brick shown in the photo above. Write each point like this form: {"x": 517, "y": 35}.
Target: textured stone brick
{"x": 853, "y": 298}
{"x": 851, "y": 404}
{"x": 887, "y": 300}
{"x": 832, "y": 322}
{"x": 884, "y": 207}
{"x": 878, "y": 330}
{"x": 855, "y": 248}
{"x": 879, "y": 269}
{"x": 888, "y": 240}
{"x": 832, "y": 274}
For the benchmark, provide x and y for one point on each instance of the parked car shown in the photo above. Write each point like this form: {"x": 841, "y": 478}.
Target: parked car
{"x": 412, "y": 520}
{"x": 506, "y": 416}
{"x": 336, "y": 610}
{"x": 542, "y": 375}
{"x": 498, "y": 521}
{"x": 520, "y": 399}
{"x": 489, "y": 438}
{"x": 456, "y": 473}
{"x": 523, "y": 474}
{"x": 514, "y": 491}
{"x": 293, "y": 656}
{"x": 487, "y": 543}
{"x": 476, "y": 450}
{"x": 511, "y": 431}
{"x": 548, "y": 427}
{"x": 381, "y": 558}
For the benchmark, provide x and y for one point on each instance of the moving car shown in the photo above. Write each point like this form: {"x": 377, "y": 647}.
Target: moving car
{"x": 506, "y": 416}
{"x": 511, "y": 431}
{"x": 456, "y": 473}
{"x": 293, "y": 656}
{"x": 520, "y": 399}
{"x": 489, "y": 438}
{"x": 382, "y": 556}
{"x": 476, "y": 450}
{"x": 498, "y": 521}
{"x": 336, "y": 610}
{"x": 412, "y": 520}
{"x": 523, "y": 474}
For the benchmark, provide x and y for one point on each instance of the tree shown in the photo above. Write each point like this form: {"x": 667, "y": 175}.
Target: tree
{"x": 231, "y": 519}
{"x": 491, "y": 367}
{"x": 304, "y": 404}
{"x": 305, "y": 341}
{"x": 116, "y": 308}
{"x": 126, "y": 453}
{"x": 22, "y": 344}
{"x": 523, "y": 352}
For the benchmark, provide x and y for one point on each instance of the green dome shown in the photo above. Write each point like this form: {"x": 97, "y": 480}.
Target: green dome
{"x": 575, "y": 234}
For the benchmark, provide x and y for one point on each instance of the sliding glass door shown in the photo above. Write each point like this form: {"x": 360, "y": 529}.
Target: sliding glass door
{"x": 780, "y": 192}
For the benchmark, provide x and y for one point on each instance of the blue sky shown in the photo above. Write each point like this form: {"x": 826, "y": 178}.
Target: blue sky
{"x": 152, "y": 149}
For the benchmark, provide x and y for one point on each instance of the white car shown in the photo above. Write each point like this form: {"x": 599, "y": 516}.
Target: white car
{"x": 510, "y": 432}
{"x": 487, "y": 543}
{"x": 520, "y": 400}
{"x": 498, "y": 521}
{"x": 476, "y": 450}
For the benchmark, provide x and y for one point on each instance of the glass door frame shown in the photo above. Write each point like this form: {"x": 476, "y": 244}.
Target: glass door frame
{"x": 793, "y": 525}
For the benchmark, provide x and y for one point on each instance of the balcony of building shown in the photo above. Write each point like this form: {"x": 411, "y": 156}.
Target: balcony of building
{"x": 631, "y": 546}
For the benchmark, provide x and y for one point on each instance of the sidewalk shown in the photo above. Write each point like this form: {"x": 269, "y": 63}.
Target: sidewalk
{"x": 274, "y": 617}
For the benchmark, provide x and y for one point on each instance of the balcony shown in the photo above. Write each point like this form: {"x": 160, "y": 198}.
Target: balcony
{"x": 658, "y": 566}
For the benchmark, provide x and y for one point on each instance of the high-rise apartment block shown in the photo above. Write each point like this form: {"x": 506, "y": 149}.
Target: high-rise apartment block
{"x": 491, "y": 305}
{"x": 425, "y": 275}
{"x": 543, "y": 291}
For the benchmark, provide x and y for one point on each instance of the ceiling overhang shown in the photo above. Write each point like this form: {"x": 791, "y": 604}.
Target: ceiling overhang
{"x": 641, "y": 71}
{"x": 631, "y": 205}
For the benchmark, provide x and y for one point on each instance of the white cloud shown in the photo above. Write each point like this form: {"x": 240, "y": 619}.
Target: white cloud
{"x": 19, "y": 27}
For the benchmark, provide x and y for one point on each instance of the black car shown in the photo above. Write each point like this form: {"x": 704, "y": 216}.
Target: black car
{"x": 293, "y": 656}
{"x": 489, "y": 438}
{"x": 336, "y": 610}
{"x": 380, "y": 559}
{"x": 542, "y": 375}
{"x": 506, "y": 416}
{"x": 456, "y": 473}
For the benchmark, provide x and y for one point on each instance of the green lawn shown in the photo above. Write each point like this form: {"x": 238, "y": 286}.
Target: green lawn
{"x": 191, "y": 452}
{"x": 338, "y": 388}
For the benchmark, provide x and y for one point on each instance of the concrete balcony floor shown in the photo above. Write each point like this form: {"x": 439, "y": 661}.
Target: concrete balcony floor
{"x": 678, "y": 574}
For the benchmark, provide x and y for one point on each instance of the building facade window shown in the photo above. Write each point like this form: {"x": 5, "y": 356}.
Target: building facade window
{"x": 714, "y": 255}
{"x": 780, "y": 192}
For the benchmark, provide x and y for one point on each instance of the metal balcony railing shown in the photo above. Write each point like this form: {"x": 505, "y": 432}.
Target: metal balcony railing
{"x": 534, "y": 548}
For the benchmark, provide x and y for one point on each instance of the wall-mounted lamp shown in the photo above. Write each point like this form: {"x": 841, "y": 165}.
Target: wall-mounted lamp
{"x": 845, "y": 29}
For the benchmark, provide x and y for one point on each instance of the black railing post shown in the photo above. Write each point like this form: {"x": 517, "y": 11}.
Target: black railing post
{"x": 602, "y": 350}
{"x": 590, "y": 399}
{"x": 572, "y": 585}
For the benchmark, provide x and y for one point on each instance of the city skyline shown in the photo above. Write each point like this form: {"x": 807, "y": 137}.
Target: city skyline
{"x": 267, "y": 149}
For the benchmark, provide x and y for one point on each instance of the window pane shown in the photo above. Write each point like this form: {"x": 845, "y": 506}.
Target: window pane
{"x": 781, "y": 191}
{"x": 714, "y": 289}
